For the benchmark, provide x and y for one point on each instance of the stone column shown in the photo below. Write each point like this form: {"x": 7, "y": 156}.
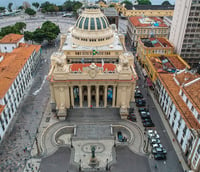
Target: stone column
{"x": 80, "y": 96}
{"x": 97, "y": 96}
{"x": 89, "y": 95}
{"x": 114, "y": 95}
{"x": 72, "y": 96}
{"x": 105, "y": 95}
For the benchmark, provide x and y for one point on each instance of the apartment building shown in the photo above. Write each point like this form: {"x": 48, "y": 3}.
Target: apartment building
{"x": 147, "y": 46}
{"x": 145, "y": 27}
{"x": 185, "y": 30}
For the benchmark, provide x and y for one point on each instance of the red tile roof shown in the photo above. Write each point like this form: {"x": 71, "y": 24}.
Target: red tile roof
{"x": 185, "y": 77}
{"x": 135, "y": 20}
{"x": 1, "y": 108}
{"x": 80, "y": 66}
{"x": 11, "y": 38}
{"x": 173, "y": 90}
{"x": 173, "y": 61}
{"x": 12, "y": 64}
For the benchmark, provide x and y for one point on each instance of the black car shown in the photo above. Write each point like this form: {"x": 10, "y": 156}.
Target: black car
{"x": 140, "y": 102}
{"x": 143, "y": 109}
{"x": 160, "y": 156}
{"x": 138, "y": 95}
{"x": 146, "y": 120}
{"x": 132, "y": 118}
{"x": 148, "y": 124}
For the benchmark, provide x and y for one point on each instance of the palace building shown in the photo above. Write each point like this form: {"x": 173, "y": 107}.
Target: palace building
{"x": 92, "y": 67}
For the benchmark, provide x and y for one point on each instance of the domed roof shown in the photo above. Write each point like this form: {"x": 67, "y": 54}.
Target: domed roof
{"x": 92, "y": 26}
{"x": 96, "y": 21}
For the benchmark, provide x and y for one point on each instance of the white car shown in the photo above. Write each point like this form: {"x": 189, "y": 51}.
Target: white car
{"x": 151, "y": 132}
{"x": 157, "y": 145}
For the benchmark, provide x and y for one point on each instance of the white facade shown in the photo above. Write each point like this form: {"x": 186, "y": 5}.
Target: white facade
{"x": 16, "y": 92}
{"x": 188, "y": 139}
{"x": 7, "y": 48}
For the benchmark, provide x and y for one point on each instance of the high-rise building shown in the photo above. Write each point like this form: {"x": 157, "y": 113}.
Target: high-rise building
{"x": 185, "y": 30}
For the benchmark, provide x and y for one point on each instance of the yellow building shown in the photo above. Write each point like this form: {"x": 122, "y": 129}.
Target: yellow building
{"x": 92, "y": 67}
{"x": 128, "y": 13}
{"x": 145, "y": 27}
{"x": 163, "y": 63}
{"x": 147, "y": 46}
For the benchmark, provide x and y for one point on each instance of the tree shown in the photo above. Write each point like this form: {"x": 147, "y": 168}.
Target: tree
{"x": 10, "y": 6}
{"x": 36, "y": 4}
{"x": 166, "y": 3}
{"x": 21, "y": 7}
{"x": 30, "y": 12}
{"x": 111, "y": 5}
{"x": 144, "y": 2}
{"x": 128, "y": 4}
{"x": 2, "y": 9}
{"x": 28, "y": 35}
{"x": 49, "y": 31}
{"x": 20, "y": 26}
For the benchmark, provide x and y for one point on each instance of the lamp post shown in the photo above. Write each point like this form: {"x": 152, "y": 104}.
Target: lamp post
{"x": 114, "y": 141}
{"x": 71, "y": 142}
{"x": 107, "y": 164}
{"x": 80, "y": 165}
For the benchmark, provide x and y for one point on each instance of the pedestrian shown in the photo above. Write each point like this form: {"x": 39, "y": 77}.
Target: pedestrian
{"x": 90, "y": 106}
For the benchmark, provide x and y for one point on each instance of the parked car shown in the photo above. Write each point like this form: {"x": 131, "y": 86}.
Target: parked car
{"x": 143, "y": 109}
{"x": 120, "y": 136}
{"x": 158, "y": 150}
{"x": 151, "y": 132}
{"x": 148, "y": 124}
{"x": 146, "y": 120}
{"x": 131, "y": 110}
{"x": 138, "y": 95}
{"x": 157, "y": 145}
{"x": 160, "y": 156}
{"x": 132, "y": 118}
{"x": 154, "y": 141}
{"x": 140, "y": 102}
{"x": 153, "y": 135}
{"x": 145, "y": 115}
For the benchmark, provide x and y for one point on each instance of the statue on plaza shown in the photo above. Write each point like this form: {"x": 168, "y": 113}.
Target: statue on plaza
{"x": 93, "y": 160}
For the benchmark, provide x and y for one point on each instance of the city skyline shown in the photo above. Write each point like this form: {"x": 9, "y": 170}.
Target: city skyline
{"x": 17, "y": 3}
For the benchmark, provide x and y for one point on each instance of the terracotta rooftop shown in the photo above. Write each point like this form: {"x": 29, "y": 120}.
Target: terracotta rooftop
{"x": 80, "y": 66}
{"x": 1, "y": 108}
{"x": 12, "y": 64}
{"x": 191, "y": 90}
{"x": 173, "y": 90}
{"x": 185, "y": 77}
{"x": 171, "y": 63}
{"x": 136, "y": 21}
{"x": 156, "y": 42}
{"x": 11, "y": 38}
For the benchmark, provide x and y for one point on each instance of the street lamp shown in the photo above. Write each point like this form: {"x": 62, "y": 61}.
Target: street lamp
{"x": 107, "y": 164}
{"x": 71, "y": 142}
{"x": 114, "y": 141}
{"x": 80, "y": 165}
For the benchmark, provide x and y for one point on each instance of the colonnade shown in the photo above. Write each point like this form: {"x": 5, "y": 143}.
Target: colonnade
{"x": 93, "y": 95}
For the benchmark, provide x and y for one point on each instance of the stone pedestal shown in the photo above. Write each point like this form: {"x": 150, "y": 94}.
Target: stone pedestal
{"x": 93, "y": 162}
{"x": 123, "y": 113}
{"x": 62, "y": 114}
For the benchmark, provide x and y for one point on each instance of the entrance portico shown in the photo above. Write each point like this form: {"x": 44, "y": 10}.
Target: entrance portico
{"x": 93, "y": 95}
